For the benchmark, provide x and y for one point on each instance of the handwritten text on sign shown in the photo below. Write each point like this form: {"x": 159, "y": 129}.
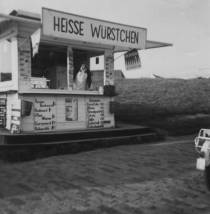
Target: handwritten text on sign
{"x": 95, "y": 113}
{"x": 68, "y": 26}
{"x": 44, "y": 114}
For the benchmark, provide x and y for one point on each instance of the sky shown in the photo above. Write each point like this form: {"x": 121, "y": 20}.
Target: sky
{"x": 184, "y": 23}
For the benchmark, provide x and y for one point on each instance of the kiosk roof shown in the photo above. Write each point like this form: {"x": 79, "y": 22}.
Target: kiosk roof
{"x": 24, "y": 17}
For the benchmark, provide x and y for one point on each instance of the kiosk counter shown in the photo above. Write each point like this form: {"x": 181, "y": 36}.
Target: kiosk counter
{"x": 40, "y": 67}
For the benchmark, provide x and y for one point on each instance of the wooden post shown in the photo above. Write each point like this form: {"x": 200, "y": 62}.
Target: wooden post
{"x": 24, "y": 62}
{"x": 109, "y": 67}
{"x": 70, "y": 68}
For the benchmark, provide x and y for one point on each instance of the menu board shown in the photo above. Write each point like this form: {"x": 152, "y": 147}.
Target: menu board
{"x": 15, "y": 121}
{"x": 71, "y": 109}
{"x": 2, "y": 111}
{"x": 44, "y": 114}
{"x": 95, "y": 112}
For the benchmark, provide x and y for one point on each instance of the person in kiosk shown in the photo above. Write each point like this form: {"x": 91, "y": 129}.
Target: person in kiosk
{"x": 83, "y": 78}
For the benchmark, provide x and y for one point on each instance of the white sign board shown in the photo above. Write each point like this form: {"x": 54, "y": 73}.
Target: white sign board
{"x": 95, "y": 110}
{"x": 44, "y": 114}
{"x": 71, "y": 109}
{"x": 69, "y": 26}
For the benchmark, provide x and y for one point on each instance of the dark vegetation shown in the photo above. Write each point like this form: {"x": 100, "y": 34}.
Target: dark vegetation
{"x": 176, "y": 106}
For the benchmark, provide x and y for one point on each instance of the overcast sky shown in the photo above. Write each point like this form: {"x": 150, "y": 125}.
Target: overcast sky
{"x": 185, "y": 23}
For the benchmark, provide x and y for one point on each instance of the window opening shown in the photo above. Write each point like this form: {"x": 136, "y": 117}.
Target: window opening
{"x": 87, "y": 79}
{"x": 5, "y": 60}
{"x": 49, "y": 67}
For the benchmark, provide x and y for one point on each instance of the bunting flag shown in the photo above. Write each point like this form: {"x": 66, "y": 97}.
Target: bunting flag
{"x": 132, "y": 59}
{"x": 35, "y": 40}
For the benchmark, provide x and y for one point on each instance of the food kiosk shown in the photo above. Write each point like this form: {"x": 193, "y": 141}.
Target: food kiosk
{"x": 39, "y": 62}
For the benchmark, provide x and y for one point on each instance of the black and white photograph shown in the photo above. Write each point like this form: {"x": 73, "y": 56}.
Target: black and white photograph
{"x": 105, "y": 107}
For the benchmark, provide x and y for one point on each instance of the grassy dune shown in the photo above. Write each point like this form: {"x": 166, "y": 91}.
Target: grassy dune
{"x": 176, "y": 105}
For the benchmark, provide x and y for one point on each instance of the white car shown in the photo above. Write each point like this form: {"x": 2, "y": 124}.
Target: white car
{"x": 202, "y": 146}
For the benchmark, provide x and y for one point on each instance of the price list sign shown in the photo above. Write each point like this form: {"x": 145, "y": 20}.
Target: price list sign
{"x": 95, "y": 112}
{"x": 44, "y": 114}
{"x": 3, "y": 111}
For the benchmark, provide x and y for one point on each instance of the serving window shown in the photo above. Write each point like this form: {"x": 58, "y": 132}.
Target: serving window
{"x": 50, "y": 69}
{"x": 83, "y": 57}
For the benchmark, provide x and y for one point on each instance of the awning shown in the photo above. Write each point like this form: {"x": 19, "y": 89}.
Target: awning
{"x": 4, "y": 17}
{"x": 33, "y": 20}
{"x": 154, "y": 44}
{"x": 7, "y": 29}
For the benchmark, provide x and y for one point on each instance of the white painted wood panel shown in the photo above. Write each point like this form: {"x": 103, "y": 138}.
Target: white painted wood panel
{"x": 13, "y": 102}
{"x": 61, "y": 122}
{"x": 13, "y": 84}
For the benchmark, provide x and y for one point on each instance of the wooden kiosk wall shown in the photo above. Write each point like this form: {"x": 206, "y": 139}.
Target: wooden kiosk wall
{"x": 55, "y": 109}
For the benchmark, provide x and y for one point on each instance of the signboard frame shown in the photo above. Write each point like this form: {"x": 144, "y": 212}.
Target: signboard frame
{"x": 114, "y": 31}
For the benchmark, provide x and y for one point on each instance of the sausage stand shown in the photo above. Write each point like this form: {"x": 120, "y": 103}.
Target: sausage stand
{"x": 40, "y": 58}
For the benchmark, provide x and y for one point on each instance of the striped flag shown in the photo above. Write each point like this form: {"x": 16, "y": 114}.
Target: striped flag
{"x": 132, "y": 59}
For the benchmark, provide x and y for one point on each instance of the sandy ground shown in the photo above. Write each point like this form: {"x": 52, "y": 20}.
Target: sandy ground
{"x": 132, "y": 179}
